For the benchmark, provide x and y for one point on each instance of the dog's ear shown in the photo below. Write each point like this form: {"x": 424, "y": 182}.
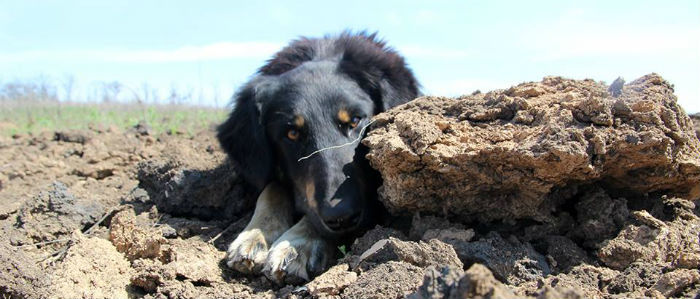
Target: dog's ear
{"x": 378, "y": 69}
{"x": 243, "y": 138}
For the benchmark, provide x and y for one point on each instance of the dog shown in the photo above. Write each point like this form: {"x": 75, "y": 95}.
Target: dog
{"x": 294, "y": 135}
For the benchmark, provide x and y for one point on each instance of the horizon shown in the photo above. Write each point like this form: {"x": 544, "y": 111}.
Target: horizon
{"x": 209, "y": 50}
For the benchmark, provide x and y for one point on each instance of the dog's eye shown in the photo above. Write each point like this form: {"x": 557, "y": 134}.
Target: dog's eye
{"x": 355, "y": 121}
{"x": 293, "y": 134}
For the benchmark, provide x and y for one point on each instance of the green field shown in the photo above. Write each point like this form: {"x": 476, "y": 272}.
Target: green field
{"x": 21, "y": 117}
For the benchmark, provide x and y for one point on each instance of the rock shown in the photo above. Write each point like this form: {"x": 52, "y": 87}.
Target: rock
{"x": 560, "y": 293}
{"x": 478, "y": 282}
{"x": 421, "y": 224}
{"x": 92, "y": 268}
{"x": 696, "y": 121}
{"x": 599, "y": 217}
{"x": 584, "y": 280}
{"x": 421, "y": 254}
{"x": 332, "y": 282}
{"x": 636, "y": 276}
{"x": 512, "y": 261}
{"x": 565, "y": 253}
{"x": 672, "y": 283}
{"x": 449, "y": 235}
{"x": 514, "y": 154}
{"x": 135, "y": 240}
{"x": 431, "y": 227}
{"x": 363, "y": 243}
{"x": 615, "y": 89}
{"x": 219, "y": 192}
{"x": 438, "y": 282}
{"x": 675, "y": 244}
{"x": 386, "y": 281}
{"x": 143, "y": 128}
{"x": 74, "y": 136}
{"x": 56, "y": 213}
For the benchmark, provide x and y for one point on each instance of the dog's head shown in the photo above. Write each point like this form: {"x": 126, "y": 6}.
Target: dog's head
{"x": 317, "y": 94}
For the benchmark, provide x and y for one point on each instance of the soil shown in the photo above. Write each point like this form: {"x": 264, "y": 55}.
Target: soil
{"x": 110, "y": 213}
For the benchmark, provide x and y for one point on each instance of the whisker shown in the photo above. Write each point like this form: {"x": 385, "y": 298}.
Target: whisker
{"x": 362, "y": 132}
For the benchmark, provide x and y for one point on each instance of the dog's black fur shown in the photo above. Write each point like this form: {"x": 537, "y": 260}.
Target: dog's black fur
{"x": 315, "y": 80}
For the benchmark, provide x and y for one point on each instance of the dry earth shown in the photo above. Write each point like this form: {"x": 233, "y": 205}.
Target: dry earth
{"x": 552, "y": 189}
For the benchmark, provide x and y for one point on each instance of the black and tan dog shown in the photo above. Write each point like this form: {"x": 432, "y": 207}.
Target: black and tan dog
{"x": 315, "y": 94}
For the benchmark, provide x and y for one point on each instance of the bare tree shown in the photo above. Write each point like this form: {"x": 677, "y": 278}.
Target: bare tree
{"x": 110, "y": 91}
{"x": 68, "y": 85}
{"x": 146, "y": 90}
{"x": 46, "y": 90}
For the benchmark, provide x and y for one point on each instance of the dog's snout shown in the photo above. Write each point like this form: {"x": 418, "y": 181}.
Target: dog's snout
{"x": 340, "y": 219}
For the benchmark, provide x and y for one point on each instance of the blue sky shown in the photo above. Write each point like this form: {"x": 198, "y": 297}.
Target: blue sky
{"x": 210, "y": 48}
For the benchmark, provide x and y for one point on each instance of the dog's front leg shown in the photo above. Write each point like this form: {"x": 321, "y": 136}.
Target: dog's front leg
{"x": 298, "y": 254}
{"x": 272, "y": 217}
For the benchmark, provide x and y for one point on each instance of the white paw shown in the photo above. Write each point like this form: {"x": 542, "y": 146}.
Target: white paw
{"x": 295, "y": 258}
{"x": 248, "y": 252}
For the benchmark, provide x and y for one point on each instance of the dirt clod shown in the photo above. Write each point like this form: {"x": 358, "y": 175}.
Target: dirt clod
{"x": 56, "y": 213}
{"x": 172, "y": 185}
{"x": 332, "y": 282}
{"x": 478, "y": 282}
{"x": 471, "y": 157}
{"x": 388, "y": 280}
{"x": 511, "y": 260}
{"x": 421, "y": 254}
{"x": 438, "y": 282}
{"x": 135, "y": 241}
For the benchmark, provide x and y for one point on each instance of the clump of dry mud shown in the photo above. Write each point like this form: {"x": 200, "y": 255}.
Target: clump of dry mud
{"x": 531, "y": 147}
{"x": 552, "y": 189}
{"x": 696, "y": 119}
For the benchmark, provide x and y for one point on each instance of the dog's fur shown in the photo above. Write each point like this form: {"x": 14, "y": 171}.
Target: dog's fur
{"x": 313, "y": 94}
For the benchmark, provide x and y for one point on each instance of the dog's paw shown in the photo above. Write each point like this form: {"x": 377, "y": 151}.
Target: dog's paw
{"x": 297, "y": 256}
{"x": 248, "y": 252}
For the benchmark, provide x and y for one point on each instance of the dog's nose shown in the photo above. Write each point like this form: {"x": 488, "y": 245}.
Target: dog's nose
{"x": 340, "y": 219}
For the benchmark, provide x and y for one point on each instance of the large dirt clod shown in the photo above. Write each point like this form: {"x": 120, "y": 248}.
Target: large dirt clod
{"x": 172, "y": 186}
{"x": 55, "y": 213}
{"x": 518, "y": 153}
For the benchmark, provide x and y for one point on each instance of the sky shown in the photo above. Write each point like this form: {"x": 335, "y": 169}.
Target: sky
{"x": 210, "y": 48}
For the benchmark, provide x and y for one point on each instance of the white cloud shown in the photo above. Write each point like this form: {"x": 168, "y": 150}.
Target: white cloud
{"x": 215, "y": 51}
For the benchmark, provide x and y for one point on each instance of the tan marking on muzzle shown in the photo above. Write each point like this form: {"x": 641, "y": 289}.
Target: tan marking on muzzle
{"x": 310, "y": 193}
{"x": 343, "y": 116}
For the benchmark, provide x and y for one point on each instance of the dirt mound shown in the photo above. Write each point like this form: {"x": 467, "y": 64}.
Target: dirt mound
{"x": 555, "y": 189}
{"x": 77, "y": 219}
{"x": 520, "y": 153}
{"x": 91, "y": 268}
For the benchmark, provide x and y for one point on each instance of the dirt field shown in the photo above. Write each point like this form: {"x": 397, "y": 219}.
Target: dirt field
{"x": 111, "y": 213}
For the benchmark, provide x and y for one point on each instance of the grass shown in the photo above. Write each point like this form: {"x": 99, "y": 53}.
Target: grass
{"x": 30, "y": 117}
